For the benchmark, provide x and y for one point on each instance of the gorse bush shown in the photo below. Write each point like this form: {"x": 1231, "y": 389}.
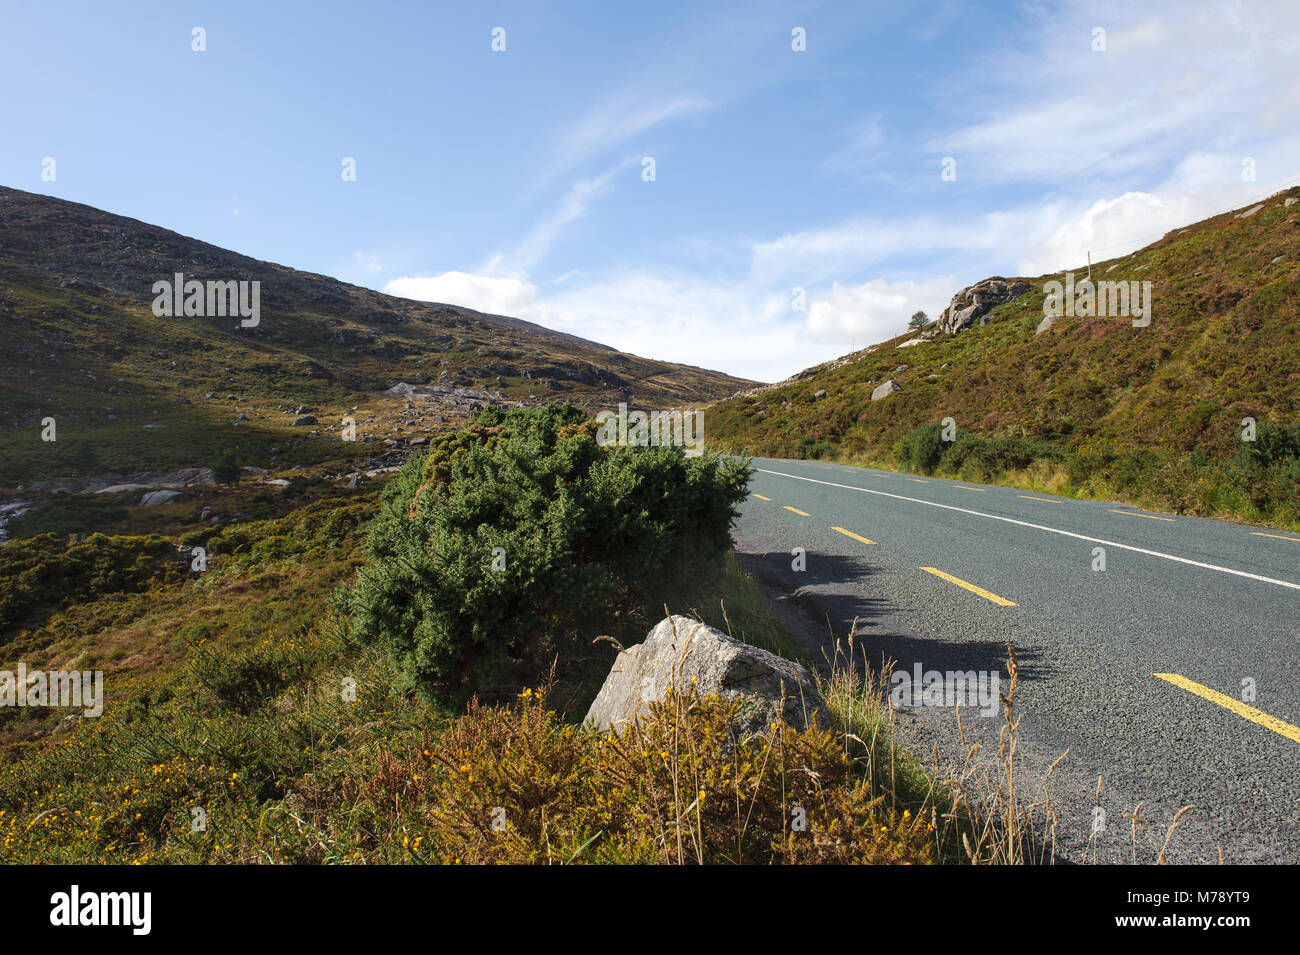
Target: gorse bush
{"x": 923, "y": 451}
{"x": 1268, "y": 468}
{"x": 225, "y": 469}
{"x": 515, "y": 542}
{"x": 512, "y": 784}
{"x": 810, "y": 449}
{"x": 44, "y": 573}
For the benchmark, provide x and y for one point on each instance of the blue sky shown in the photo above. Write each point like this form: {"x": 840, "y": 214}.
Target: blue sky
{"x": 513, "y": 181}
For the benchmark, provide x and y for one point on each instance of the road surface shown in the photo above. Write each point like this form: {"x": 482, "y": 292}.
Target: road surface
{"x": 1173, "y": 674}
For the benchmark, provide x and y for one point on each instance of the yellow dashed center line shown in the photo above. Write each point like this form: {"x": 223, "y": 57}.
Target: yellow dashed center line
{"x": 1150, "y": 517}
{"x": 856, "y": 537}
{"x": 762, "y": 498}
{"x": 1236, "y": 706}
{"x": 986, "y": 594}
{"x": 1295, "y": 540}
{"x": 965, "y": 488}
{"x": 918, "y": 480}
{"x": 796, "y": 510}
{"x": 1045, "y": 500}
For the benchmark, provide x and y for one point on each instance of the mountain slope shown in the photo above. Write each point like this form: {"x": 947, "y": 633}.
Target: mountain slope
{"x": 1090, "y": 405}
{"x": 82, "y": 346}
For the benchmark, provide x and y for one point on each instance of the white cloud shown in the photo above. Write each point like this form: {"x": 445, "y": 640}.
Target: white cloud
{"x": 858, "y": 245}
{"x": 498, "y": 295}
{"x": 1202, "y": 186}
{"x": 743, "y": 328}
{"x": 875, "y": 310}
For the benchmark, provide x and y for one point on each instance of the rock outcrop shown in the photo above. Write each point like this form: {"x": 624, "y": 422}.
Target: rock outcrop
{"x": 680, "y": 652}
{"x": 885, "y": 389}
{"x": 972, "y": 304}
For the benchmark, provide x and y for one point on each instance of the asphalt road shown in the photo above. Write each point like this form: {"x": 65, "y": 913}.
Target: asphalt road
{"x": 1214, "y": 607}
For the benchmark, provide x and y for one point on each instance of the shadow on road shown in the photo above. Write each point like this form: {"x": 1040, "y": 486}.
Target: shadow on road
{"x": 820, "y": 614}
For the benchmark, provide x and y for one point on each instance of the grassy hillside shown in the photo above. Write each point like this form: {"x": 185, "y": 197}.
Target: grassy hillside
{"x": 1093, "y": 406}
{"x": 130, "y": 391}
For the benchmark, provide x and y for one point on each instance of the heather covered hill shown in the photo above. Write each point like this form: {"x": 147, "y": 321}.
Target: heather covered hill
{"x": 83, "y": 346}
{"x": 1086, "y": 405}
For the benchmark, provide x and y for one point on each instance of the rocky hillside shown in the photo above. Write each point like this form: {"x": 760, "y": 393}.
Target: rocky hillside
{"x": 1092, "y": 397}
{"x": 129, "y": 391}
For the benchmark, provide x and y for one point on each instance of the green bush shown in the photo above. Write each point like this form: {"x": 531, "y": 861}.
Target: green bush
{"x": 516, "y": 541}
{"x": 924, "y": 451}
{"x": 43, "y": 573}
{"x": 225, "y": 469}
{"x": 957, "y": 452}
{"x": 810, "y": 449}
{"x": 921, "y": 449}
{"x": 1268, "y": 468}
{"x": 1006, "y": 454}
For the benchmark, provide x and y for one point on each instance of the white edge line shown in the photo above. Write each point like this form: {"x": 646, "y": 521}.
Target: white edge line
{"x": 1050, "y": 530}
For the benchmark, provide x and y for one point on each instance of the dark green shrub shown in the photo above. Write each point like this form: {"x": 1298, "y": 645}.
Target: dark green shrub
{"x": 246, "y": 678}
{"x": 956, "y": 452}
{"x": 921, "y": 449}
{"x": 44, "y": 573}
{"x": 225, "y": 469}
{"x": 1135, "y": 469}
{"x": 1274, "y": 444}
{"x": 811, "y": 449}
{"x": 1268, "y": 468}
{"x": 516, "y": 541}
{"x": 1004, "y": 454}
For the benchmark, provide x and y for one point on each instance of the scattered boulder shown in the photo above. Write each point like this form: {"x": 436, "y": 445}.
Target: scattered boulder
{"x": 123, "y": 488}
{"x": 885, "y": 389}
{"x": 303, "y": 421}
{"x": 680, "y": 652}
{"x": 819, "y": 394}
{"x": 1289, "y": 203}
{"x": 154, "y": 498}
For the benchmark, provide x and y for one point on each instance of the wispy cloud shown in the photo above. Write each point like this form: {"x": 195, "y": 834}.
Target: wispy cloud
{"x": 575, "y": 204}
{"x": 610, "y": 123}
{"x": 864, "y": 147}
{"x": 1183, "y": 77}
